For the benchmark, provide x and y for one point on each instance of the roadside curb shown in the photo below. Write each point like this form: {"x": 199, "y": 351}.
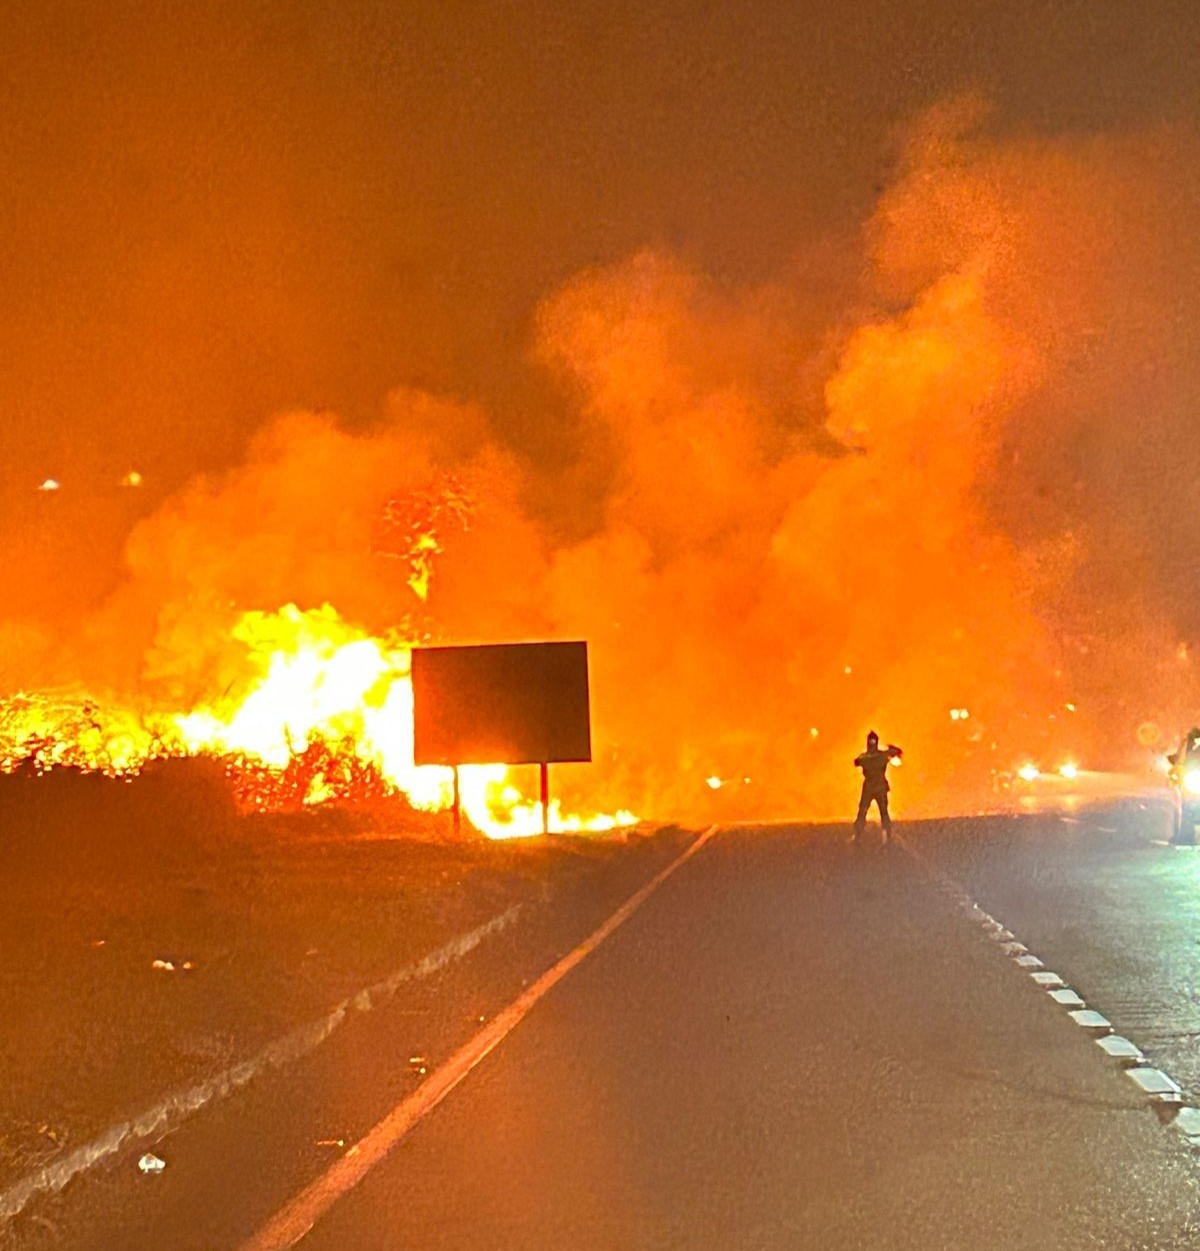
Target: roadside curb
{"x": 153, "y": 1124}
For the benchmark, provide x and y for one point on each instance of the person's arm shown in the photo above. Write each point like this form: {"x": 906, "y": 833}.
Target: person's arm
{"x": 895, "y": 752}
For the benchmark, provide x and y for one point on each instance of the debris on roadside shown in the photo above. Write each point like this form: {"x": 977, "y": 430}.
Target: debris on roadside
{"x": 170, "y": 966}
{"x": 330, "y": 1142}
{"x": 151, "y": 1163}
{"x": 28, "y": 1144}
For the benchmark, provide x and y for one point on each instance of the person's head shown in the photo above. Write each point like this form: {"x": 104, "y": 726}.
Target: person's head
{"x": 872, "y": 741}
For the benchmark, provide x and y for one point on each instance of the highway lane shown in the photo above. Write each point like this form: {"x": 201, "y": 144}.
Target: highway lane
{"x": 1097, "y": 893}
{"x": 793, "y": 1043}
{"x": 91, "y": 1041}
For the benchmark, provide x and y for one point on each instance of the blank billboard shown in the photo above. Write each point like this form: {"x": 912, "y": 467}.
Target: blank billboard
{"x": 502, "y": 703}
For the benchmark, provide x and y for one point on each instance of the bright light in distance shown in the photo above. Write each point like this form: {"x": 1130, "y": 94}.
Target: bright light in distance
{"x": 1191, "y": 781}
{"x": 714, "y": 783}
{"x": 1029, "y": 773}
{"x": 50, "y": 484}
{"x": 1069, "y": 771}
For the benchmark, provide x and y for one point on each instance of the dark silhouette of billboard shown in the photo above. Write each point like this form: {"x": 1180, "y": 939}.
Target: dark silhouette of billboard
{"x": 503, "y": 703}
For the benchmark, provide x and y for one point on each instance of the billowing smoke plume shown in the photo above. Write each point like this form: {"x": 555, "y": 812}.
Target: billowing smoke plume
{"x": 946, "y": 490}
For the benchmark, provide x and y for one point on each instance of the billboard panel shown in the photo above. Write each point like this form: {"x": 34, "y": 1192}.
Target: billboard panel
{"x": 501, "y": 703}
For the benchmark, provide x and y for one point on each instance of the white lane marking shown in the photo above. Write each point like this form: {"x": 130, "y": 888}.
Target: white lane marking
{"x": 298, "y": 1216}
{"x": 1065, "y": 997}
{"x": 1090, "y": 1019}
{"x": 1187, "y": 1121}
{"x": 1158, "y": 1085}
{"x": 150, "y": 1125}
{"x": 1047, "y": 980}
{"x": 1121, "y": 1049}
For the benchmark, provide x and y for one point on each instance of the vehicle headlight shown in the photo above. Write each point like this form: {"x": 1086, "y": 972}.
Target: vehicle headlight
{"x": 1191, "y": 781}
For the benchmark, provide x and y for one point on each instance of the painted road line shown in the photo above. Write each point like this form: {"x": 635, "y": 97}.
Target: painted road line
{"x": 1065, "y": 997}
{"x": 294, "y": 1220}
{"x": 1090, "y": 1019}
{"x": 1156, "y": 1084}
{"x": 1046, "y": 980}
{"x": 1187, "y": 1121}
{"x": 149, "y": 1126}
{"x": 1121, "y": 1049}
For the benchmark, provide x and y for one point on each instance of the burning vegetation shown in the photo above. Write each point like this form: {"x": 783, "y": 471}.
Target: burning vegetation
{"x": 322, "y": 712}
{"x": 867, "y": 493}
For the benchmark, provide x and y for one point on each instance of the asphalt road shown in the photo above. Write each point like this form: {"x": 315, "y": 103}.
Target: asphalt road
{"x": 1102, "y": 898}
{"x": 792, "y": 1043}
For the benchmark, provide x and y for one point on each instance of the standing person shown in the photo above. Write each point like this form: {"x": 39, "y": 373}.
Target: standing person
{"x": 873, "y": 763}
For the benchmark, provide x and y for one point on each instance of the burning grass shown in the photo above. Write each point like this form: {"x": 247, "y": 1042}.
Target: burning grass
{"x": 318, "y": 712}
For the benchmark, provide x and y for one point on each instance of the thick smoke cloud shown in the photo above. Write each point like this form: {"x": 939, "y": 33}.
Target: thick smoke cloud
{"x": 951, "y": 466}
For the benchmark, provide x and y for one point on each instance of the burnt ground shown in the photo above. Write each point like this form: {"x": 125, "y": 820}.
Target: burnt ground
{"x": 263, "y": 924}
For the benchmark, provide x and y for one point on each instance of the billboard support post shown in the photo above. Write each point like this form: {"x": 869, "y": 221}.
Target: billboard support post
{"x": 457, "y": 804}
{"x": 545, "y": 768}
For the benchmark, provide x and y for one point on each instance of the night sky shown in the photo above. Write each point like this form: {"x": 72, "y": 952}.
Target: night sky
{"x": 210, "y": 212}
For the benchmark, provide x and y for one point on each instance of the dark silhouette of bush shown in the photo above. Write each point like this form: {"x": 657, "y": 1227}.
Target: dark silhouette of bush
{"x": 65, "y": 817}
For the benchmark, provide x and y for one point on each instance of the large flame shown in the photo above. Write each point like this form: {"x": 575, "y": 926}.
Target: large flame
{"x": 314, "y": 690}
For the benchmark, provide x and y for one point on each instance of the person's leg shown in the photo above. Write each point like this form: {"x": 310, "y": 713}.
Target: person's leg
{"x": 860, "y": 821}
{"x": 885, "y": 818}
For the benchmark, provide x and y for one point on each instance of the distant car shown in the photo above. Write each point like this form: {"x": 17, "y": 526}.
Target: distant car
{"x": 1184, "y": 777}
{"x": 1029, "y": 777}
